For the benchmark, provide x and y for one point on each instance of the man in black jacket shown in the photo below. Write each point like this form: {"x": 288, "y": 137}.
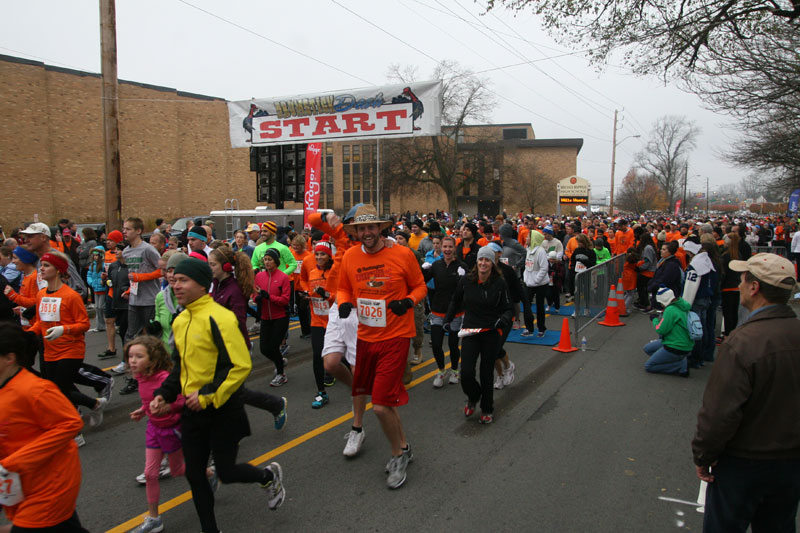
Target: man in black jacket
{"x": 747, "y": 442}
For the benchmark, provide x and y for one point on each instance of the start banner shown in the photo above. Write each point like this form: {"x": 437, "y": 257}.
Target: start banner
{"x": 389, "y": 111}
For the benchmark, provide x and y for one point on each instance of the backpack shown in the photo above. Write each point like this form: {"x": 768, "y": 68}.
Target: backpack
{"x": 694, "y": 325}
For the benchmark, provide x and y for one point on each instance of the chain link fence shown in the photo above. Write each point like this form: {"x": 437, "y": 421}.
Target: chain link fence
{"x": 591, "y": 292}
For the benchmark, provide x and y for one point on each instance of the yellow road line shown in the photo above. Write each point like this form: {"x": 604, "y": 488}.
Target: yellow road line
{"x": 186, "y": 496}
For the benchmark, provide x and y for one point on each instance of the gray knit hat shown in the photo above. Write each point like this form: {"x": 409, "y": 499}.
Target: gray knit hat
{"x": 176, "y": 258}
{"x": 486, "y": 252}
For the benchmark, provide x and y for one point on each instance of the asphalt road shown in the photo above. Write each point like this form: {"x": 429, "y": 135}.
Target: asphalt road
{"x": 581, "y": 442}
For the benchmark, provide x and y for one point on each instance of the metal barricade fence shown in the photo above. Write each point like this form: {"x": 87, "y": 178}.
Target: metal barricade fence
{"x": 591, "y": 291}
{"x": 777, "y": 250}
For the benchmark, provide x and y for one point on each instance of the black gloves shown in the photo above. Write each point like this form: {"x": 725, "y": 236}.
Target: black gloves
{"x": 264, "y": 294}
{"x": 154, "y": 328}
{"x": 399, "y": 307}
{"x": 321, "y": 292}
{"x": 29, "y": 313}
{"x": 344, "y": 309}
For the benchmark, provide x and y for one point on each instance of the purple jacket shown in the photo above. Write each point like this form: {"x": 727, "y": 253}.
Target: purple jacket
{"x": 227, "y": 294}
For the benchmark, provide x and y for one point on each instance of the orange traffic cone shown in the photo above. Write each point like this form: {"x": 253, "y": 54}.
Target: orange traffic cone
{"x": 565, "y": 344}
{"x": 612, "y": 311}
{"x": 623, "y": 309}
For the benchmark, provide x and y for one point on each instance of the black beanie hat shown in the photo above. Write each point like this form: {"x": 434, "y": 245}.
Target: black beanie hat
{"x": 274, "y": 254}
{"x": 473, "y": 228}
{"x": 196, "y": 270}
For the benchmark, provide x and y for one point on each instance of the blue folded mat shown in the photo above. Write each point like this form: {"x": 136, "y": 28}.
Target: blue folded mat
{"x": 551, "y": 338}
{"x": 564, "y": 310}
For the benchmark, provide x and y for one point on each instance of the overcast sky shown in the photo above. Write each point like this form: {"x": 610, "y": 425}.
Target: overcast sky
{"x": 238, "y": 49}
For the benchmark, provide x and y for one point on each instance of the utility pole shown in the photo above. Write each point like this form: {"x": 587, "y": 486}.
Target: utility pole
{"x": 707, "y": 198}
{"x": 685, "y": 179}
{"x": 613, "y": 162}
{"x": 112, "y": 175}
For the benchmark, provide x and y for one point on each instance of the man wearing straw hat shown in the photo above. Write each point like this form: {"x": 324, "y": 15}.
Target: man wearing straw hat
{"x": 382, "y": 283}
{"x": 747, "y": 442}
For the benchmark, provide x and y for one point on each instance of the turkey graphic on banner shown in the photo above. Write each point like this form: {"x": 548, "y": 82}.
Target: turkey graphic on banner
{"x": 311, "y": 197}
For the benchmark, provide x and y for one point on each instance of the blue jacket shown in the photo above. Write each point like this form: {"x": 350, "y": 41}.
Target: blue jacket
{"x": 430, "y": 259}
{"x": 94, "y": 277}
{"x": 13, "y": 276}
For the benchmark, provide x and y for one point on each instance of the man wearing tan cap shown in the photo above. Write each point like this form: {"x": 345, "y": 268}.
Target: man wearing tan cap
{"x": 747, "y": 442}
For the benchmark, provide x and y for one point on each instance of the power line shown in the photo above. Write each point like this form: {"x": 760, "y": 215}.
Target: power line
{"x": 276, "y": 43}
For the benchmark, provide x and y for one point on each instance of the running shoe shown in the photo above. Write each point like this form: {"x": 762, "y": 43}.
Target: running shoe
{"x": 163, "y": 472}
{"x": 95, "y": 415}
{"x": 354, "y": 441}
{"x": 486, "y": 418}
{"x": 121, "y": 368}
{"x": 275, "y": 491}
{"x": 255, "y": 330}
{"x": 131, "y": 386}
{"x": 320, "y": 400}
{"x": 278, "y": 380}
{"x": 284, "y": 349}
{"x": 438, "y": 381}
{"x": 515, "y": 324}
{"x": 541, "y": 333}
{"x": 108, "y": 354}
{"x": 498, "y": 382}
{"x": 508, "y": 374}
{"x": 416, "y": 359}
{"x": 280, "y": 418}
{"x": 469, "y": 409}
{"x": 79, "y": 440}
{"x": 454, "y": 376}
{"x": 150, "y": 525}
{"x": 93, "y": 330}
{"x": 526, "y": 333}
{"x": 397, "y": 472}
{"x": 407, "y": 452}
{"x": 305, "y": 335}
{"x": 329, "y": 381}
{"x": 108, "y": 389}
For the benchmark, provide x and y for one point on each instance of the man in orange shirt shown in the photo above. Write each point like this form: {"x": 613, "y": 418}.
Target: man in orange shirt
{"x": 623, "y": 238}
{"x": 384, "y": 283}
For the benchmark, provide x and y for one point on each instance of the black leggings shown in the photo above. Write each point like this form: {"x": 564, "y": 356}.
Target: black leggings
{"x": 261, "y": 400}
{"x": 303, "y": 314}
{"x": 91, "y": 376}
{"x": 730, "y": 310}
{"x": 270, "y": 339}
{"x": 437, "y": 338}
{"x": 206, "y": 433}
{"x": 65, "y": 373}
{"x": 485, "y": 345}
{"x": 317, "y": 343}
{"x": 641, "y": 288}
{"x": 540, "y": 293}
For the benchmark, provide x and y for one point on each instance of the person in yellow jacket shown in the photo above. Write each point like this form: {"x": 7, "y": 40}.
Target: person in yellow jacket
{"x": 211, "y": 364}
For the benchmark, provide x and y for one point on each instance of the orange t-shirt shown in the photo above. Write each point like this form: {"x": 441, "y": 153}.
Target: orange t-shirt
{"x": 371, "y": 281}
{"x": 38, "y": 427}
{"x": 63, "y": 307}
{"x": 623, "y": 241}
{"x": 572, "y": 243}
{"x": 629, "y": 276}
{"x": 27, "y": 291}
{"x": 300, "y": 258}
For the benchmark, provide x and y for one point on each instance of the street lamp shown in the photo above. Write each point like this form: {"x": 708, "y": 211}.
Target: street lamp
{"x": 614, "y": 159}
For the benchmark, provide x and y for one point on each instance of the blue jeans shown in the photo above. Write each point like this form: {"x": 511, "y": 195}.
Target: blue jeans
{"x": 702, "y": 306}
{"x": 663, "y": 361}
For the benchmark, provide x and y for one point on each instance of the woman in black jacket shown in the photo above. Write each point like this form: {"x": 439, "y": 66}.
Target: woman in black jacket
{"x": 445, "y": 274}
{"x": 668, "y": 272}
{"x": 483, "y": 295}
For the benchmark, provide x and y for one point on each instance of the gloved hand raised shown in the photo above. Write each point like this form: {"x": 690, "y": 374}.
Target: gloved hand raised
{"x": 264, "y": 294}
{"x": 399, "y": 307}
{"x": 344, "y": 309}
{"x": 321, "y": 292}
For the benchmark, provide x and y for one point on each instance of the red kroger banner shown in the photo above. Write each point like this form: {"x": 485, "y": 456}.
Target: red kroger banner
{"x": 388, "y": 111}
{"x": 311, "y": 197}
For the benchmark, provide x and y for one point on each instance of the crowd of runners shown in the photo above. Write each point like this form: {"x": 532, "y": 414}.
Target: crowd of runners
{"x": 365, "y": 290}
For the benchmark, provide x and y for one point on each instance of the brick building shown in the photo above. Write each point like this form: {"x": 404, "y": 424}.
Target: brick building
{"x": 176, "y": 158}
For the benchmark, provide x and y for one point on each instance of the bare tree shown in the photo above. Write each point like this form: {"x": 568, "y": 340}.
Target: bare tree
{"x": 640, "y": 192}
{"x": 436, "y": 160}
{"x": 666, "y": 154}
{"x": 532, "y": 185}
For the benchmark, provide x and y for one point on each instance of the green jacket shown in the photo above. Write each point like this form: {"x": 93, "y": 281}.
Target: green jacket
{"x": 602, "y": 255}
{"x": 288, "y": 262}
{"x": 674, "y": 326}
{"x": 164, "y": 316}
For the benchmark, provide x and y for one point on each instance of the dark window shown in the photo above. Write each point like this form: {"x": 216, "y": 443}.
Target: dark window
{"x": 515, "y": 133}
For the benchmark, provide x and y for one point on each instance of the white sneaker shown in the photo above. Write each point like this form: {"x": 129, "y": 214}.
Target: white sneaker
{"x": 438, "y": 381}
{"x": 150, "y": 525}
{"x": 79, "y": 440}
{"x": 354, "y": 442}
{"x": 95, "y": 416}
{"x": 508, "y": 374}
{"x": 275, "y": 491}
{"x": 416, "y": 359}
{"x": 498, "y": 383}
{"x": 454, "y": 376}
{"x": 93, "y": 330}
{"x": 279, "y": 380}
{"x": 121, "y": 368}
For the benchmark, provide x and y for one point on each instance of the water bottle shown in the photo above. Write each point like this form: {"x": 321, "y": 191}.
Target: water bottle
{"x": 583, "y": 344}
